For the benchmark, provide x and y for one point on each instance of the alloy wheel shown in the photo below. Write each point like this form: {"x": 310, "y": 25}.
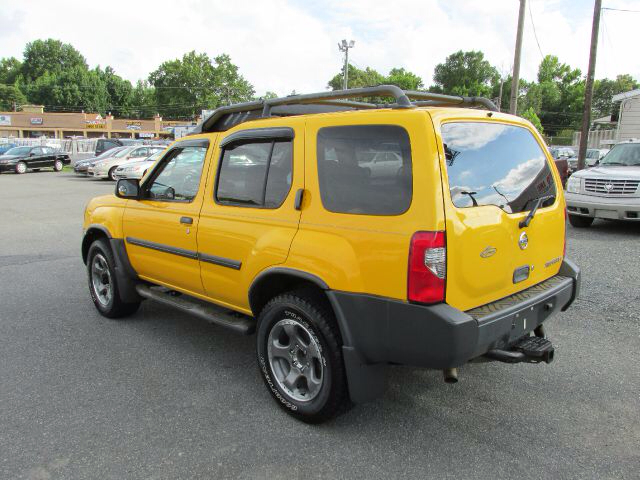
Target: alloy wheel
{"x": 101, "y": 280}
{"x": 295, "y": 359}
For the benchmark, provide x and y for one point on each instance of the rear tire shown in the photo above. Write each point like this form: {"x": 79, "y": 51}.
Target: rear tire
{"x": 300, "y": 356}
{"x": 103, "y": 283}
{"x": 57, "y": 166}
{"x": 580, "y": 222}
{"x": 21, "y": 168}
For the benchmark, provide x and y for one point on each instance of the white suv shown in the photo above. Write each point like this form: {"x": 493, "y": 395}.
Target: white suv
{"x": 611, "y": 189}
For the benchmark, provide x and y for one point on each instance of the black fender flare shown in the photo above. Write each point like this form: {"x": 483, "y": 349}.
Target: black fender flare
{"x": 126, "y": 276}
{"x": 365, "y": 381}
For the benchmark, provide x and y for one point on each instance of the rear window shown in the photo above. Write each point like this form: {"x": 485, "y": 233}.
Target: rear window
{"x": 495, "y": 164}
{"x": 365, "y": 169}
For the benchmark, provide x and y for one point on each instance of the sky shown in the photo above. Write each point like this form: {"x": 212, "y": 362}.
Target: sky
{"x": 286, "y": 45}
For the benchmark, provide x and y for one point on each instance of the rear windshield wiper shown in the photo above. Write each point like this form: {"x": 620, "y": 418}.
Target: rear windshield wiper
{"x": 539, "y": 201}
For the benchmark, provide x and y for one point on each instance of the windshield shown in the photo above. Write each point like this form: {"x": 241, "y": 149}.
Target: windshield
{"x": 122, "y": 153}
{"x": 623, "y": 154}
{"x": 155, "y": 156}
{"x": 18, "y": 151}
{"x": 109, "y": 153}
{"x": 495, "y": 164}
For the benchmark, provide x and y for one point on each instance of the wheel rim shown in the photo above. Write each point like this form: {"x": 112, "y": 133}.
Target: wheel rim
{"x": 58, "y": 165}
{"x": 22, "y": 168}
{"x": 101, "y": 280}
{"x": 295, "y": 359}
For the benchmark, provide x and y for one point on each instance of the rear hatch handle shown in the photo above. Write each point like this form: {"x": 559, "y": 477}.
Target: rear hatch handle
{"x": 539, "y": 201}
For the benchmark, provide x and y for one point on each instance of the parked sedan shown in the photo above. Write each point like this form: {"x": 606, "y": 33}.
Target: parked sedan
{"x": 137, "y": 169}
{"x": 106, "y": 168}
{"x": 81, "y": 166}
{"x": 21, "y": 159}
{"x": 610, "y": 190}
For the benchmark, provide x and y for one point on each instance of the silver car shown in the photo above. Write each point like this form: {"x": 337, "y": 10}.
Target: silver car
{"x": 593, "y": 156}
{"x": 107, "y": 167}
{"x": 610, "y": 190}
{"x": 137, "y": 169}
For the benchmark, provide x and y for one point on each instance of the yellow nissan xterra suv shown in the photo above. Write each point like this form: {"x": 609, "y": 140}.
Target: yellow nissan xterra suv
{"x": 348, "y": 236}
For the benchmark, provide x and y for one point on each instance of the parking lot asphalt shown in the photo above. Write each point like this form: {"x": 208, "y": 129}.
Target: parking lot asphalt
{"x": 165, "y": 396}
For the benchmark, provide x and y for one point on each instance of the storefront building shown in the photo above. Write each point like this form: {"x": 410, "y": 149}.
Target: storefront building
{"x": 33, "y": 122}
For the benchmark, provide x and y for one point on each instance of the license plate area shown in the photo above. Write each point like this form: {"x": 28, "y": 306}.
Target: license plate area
{"x": 521, "y": 273}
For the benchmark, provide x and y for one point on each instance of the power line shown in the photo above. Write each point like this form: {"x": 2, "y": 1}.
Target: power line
{"x": 620, "y": 10}
{"x": 535, "y": 34}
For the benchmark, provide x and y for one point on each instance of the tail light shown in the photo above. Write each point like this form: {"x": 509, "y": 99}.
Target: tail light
{"x": 427, "y": 267}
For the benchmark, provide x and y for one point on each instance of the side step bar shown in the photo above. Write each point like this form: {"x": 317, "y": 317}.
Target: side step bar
{"x": 211, "y": 313}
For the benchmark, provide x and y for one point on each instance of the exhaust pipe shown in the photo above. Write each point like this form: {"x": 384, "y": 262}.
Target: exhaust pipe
{"x": 450, "y": 375}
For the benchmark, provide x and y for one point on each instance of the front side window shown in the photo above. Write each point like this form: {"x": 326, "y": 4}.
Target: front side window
{"x": 255, "y": 174}
{"x": 495, "y": 164}
{"x": 179, "y": 177}
{"x": 365, "y": 169}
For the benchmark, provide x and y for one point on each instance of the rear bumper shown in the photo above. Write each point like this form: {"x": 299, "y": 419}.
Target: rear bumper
{"x": 378, "y": 331}
{"x": 619, "y": 208}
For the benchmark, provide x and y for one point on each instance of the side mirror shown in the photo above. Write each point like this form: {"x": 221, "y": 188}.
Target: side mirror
{"x": 128, "y": 188}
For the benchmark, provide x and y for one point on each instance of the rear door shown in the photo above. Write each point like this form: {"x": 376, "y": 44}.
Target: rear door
{"x": 494, "y": 173}
{"x": 248, "y": 218}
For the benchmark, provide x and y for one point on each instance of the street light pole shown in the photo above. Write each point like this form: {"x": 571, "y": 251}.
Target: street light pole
{"x": 344, "y": 46}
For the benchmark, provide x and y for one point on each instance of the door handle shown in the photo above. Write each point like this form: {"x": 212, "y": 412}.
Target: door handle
{"x": 297, "y": 203}
{"x": 186, "y": 220}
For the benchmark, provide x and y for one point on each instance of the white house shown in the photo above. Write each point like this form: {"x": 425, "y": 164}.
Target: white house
{"x": 629, "y": 116}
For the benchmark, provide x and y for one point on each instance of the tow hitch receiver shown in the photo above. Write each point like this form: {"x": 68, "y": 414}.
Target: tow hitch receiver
{"x": 527, "y": 349}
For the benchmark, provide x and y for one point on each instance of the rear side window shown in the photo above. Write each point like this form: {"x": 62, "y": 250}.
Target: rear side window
{"x": 255, "y": 174}
{"x": 495, "y": 164}
{"x": 365, "y": 169}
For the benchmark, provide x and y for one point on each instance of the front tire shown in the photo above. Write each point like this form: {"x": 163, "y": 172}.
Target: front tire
{"x": 57, "y": 166}
{"x": 580, "y": 222}
{"x": 103, "y": 285}
{"x": 21, "y": 168}
{"x": 112, "y": 173}
{"x": 300, "y": 356}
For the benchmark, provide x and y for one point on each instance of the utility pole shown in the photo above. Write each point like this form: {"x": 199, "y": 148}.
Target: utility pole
{"x": 515, "y": 78}
{"x": 344, "y": 46}
{"x": 588, "y": 91}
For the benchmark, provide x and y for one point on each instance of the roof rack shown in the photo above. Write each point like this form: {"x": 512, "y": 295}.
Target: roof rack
{"x": 224, "y": 118}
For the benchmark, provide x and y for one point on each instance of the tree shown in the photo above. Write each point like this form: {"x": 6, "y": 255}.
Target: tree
{"x": 560, "y": 90}
{"x": 404, "y": 79}
{"x": 370, "y": 78}
{"x": 605, "y": 89}
{"x": 357, "y": 78}
{"x": 183, "y": 87}
{"x": 465, "y": 73}
{"x": 73, "y": 89}
{"x": 143, "y": 102}
{"x": 229, "y": 85}
{"x": 530, "y": 115}
{"x": 11, "y": 98}
{"x": 119, "y": 92}
{"x": 51, "y": 56}
{"x": 9, "y": 70}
